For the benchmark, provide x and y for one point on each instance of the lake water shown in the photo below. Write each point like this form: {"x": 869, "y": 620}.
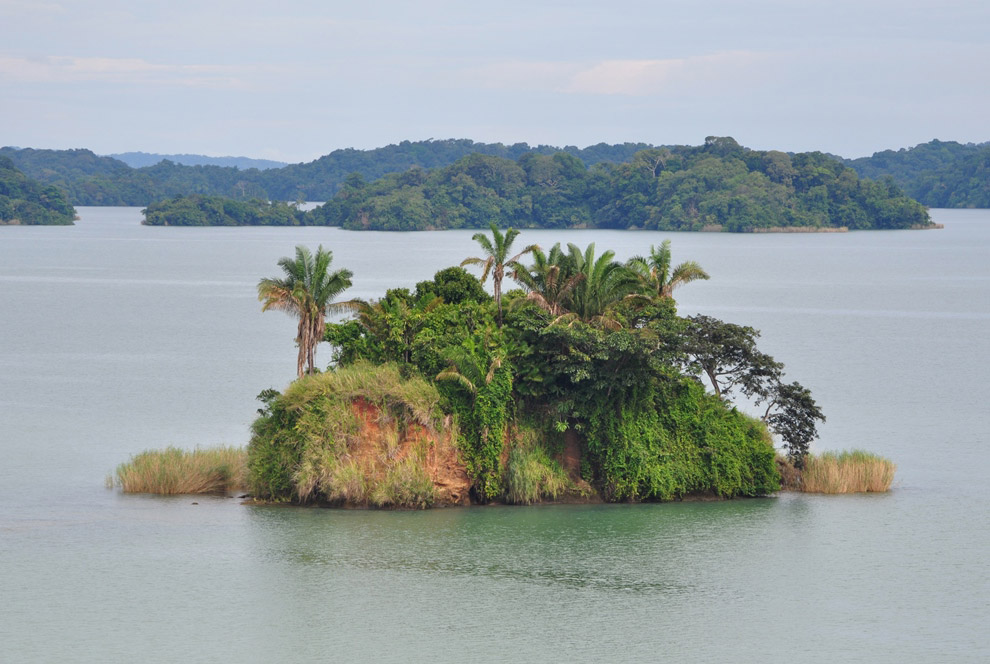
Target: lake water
{"x": 116, "y": 338}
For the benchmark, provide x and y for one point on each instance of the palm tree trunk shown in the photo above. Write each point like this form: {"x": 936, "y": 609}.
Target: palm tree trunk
{"x": 497, "y": 278}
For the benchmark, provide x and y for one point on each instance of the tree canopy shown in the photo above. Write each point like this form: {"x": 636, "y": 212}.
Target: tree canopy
{"x": 29, "y": 202}
{"x": 716, "y": 186}
{"x": 197, "y": 210}
{"x": 937, "y": 173}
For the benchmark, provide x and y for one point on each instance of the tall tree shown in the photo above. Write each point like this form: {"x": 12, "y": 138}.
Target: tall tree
{"x": 497, "y": 259}
{"x": 307, "y": 291}
{"x": 656, "y": 274}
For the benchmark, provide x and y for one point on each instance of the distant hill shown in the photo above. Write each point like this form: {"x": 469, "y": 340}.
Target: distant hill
{"x": 719, "y": 185}
{"x": 29, "y": 202}
{"x": 89, "y": 179}
{"x": 141, "y": 159}
{"x": 937, "y": 173}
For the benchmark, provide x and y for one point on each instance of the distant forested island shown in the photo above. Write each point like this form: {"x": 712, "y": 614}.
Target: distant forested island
{"x": 938, "y": 173}
{"x": 716, "y": 186}
{"x": 198, "y": 210}
{"x": 29, "y": 202}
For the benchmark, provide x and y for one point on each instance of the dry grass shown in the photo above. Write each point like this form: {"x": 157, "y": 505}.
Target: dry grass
{"x": 847, "y": 472}
{"x": 173, "y": 471}
{"x": 406, "y": 484}
{"x": 381, "y": 385}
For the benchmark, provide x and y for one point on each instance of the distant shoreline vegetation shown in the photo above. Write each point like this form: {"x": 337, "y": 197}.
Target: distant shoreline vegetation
{"x": 936, "y": 174}
{"x": 31, "y": 203}
{"x": 716, "y": 186}
{"x": 198, "y": 210}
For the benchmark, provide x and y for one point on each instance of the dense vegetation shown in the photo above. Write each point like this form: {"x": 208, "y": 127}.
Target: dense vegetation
{"x": 26, "y": 201}
{"x": 937, "y": 173}
{"x": 88, "y": 179}
{"x": 719, "y": 185}
{"x": 588, "y": 363}
{"x": 197, "y": 210}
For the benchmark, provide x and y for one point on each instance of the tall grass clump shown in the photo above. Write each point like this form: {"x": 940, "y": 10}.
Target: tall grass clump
{"x": 406, "y": 484}
{"x": 531, "y": 476}
{"x": 853, "y": 471}
{"x": 173, "y": 471}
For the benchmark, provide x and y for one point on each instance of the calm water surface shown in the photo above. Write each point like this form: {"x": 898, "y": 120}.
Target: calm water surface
{"x": 115, "y": 338}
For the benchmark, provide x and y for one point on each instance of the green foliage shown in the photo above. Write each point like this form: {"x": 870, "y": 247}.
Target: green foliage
{"x": 26, "y": 201}
{"x": 669, "y": 439}
{"x": 89, "y": 179}
{"x": 198, "y": 210}
{"x": 531, "y": 475}
{"x": 453, "y": 285}
{"x": 478, "y": 385}
{"x": 560, "y": 188}
{"x": 307, "y": 292}
{"x": 719, "y": 184}
{"x": 937, "y": 173}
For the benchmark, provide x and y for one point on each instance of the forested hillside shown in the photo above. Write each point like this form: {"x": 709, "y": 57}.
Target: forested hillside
{"x": 89, "y": 179}
{"x": 716, "y": 186}
{"x": 937, "y": 173}
{"x": 29, "y": 202}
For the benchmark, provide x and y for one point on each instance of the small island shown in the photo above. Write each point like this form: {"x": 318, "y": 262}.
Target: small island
{"x": 28, "y": 202}
{"x": 583, "y": 384}
{"x": 200, "y": 210}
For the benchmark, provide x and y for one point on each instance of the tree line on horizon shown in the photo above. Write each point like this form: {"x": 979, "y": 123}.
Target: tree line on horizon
{"x": 937, "y": 174}
{"x": 719, "y": 185}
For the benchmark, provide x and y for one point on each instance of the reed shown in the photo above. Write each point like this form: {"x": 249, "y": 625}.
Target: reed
{"x": 852, "y": 471}
{"x": 172, "y": 471}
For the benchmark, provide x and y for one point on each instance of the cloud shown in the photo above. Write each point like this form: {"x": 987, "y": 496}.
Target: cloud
{"x": 652, "y": 77}
{"x": 638, "y": 78}
{"x": 58, "y": 69}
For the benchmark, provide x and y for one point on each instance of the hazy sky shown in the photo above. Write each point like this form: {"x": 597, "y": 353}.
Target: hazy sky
{"x": 293, "y": 80}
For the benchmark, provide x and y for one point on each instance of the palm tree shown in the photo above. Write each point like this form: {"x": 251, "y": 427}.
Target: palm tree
{"x": 496, "y": 259}
{"x": 606, "y": 283}
{"x": 307, "y": 292}
{"x": 656, "y": 275}
{"x": 549, "y": 281}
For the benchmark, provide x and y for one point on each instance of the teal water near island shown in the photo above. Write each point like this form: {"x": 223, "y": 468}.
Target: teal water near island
{"x": 115, "y": 338}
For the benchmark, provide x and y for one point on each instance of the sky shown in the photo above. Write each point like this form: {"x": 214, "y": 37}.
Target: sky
{"x": 294, "y": 80}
